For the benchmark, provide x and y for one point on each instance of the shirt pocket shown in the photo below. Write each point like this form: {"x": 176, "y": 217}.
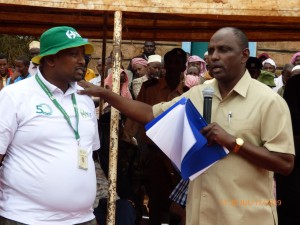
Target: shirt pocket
{"x": 238, "y": 127}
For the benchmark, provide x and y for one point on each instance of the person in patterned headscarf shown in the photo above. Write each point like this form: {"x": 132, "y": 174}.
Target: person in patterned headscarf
{"x": 195, "y": 60}
{"x": 295, "y": 60}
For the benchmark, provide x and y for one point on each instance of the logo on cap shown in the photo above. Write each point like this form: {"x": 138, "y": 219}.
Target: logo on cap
{"x": 72, "y": 34}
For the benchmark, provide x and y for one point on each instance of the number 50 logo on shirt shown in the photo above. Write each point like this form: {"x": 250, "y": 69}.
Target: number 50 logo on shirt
{"x": 44, "y": 109}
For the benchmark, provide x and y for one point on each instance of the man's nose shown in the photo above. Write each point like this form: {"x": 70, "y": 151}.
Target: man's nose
{"x": 214, "y": 55}
{"x": 81, "y": 59}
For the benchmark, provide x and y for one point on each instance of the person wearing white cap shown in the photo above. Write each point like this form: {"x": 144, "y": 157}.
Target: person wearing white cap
{"x": 34, "y": 50}
{"x": 153, "y": 70}
{"x": 154, "y": 66}
{"x": 296, "y": 70}
{"x": 269, "y": 65}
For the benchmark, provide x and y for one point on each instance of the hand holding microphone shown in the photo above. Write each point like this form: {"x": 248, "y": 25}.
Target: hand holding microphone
{"x": 213, "y": 132}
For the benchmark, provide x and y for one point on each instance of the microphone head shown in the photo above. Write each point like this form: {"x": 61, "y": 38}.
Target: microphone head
{"x": 208, "y": 92}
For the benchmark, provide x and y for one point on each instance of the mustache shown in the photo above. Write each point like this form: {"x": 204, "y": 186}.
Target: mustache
{"x": 215, "y": 65}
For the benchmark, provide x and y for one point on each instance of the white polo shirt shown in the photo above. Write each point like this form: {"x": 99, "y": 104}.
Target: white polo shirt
{"x": 40, "y": 182}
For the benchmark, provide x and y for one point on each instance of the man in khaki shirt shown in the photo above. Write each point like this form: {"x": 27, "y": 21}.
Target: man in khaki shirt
{"x": 239, "y": 188}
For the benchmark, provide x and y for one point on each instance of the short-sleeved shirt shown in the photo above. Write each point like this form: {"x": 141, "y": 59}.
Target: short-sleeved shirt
{"x": 40, "y": 180}
{"x": 234, "y": 191}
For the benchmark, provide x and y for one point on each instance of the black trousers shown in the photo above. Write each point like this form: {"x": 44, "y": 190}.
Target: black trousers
{"x": 160, "y": 178}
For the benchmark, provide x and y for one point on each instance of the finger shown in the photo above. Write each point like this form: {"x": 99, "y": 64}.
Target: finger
{"x": 82, "y": 92}
{"x": 210, "y": 136}
{"x": 206, "y": 129}
{"x": 83, "y": 83}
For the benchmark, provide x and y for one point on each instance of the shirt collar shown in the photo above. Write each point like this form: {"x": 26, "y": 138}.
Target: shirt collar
{"x": 240, "y": 88}
{"x": 52, "y": 88}
{"x": 243, "y": 85}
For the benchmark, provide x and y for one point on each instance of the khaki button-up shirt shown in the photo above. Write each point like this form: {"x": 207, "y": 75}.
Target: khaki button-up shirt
{"x": 234, "y": 191}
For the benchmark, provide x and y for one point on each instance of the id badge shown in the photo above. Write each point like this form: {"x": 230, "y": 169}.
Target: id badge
{"x": 82, "y": 159}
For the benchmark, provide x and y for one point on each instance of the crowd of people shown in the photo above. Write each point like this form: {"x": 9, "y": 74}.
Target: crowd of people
{"x": 54, "y": 143}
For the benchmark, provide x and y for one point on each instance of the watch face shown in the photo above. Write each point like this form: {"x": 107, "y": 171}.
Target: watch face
{"x": 239, "y": 141}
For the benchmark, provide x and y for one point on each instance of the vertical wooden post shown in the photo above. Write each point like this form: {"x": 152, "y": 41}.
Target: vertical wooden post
{"x": 114, "y": 121}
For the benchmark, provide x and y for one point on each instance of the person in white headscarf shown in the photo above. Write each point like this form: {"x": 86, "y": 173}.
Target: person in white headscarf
{"x": 269, "y": 65}
{"x": 296, "y": 70}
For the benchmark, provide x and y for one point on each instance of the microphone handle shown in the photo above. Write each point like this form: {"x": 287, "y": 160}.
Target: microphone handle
{"x": 207, "y": 109}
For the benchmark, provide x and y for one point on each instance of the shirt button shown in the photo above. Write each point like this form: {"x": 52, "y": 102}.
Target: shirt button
{"x": 204, "y": 195}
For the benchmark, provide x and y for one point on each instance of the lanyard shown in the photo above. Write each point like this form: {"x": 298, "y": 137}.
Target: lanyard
{"x": 55, "y": 102}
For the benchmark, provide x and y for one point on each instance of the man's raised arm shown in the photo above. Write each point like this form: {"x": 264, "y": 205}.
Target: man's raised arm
{"x": 138, "y": 111}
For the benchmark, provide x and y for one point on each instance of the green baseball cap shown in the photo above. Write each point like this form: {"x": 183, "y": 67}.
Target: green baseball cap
{"x": 60, "y": 38}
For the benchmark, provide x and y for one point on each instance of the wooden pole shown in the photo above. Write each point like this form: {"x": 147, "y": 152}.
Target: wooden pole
{"x": 114, "y": 121}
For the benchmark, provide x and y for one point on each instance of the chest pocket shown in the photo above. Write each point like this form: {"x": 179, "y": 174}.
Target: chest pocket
{"x": 240, "y": 125}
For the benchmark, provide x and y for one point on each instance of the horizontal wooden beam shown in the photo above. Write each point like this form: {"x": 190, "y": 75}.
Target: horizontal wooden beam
{"x": 289, "y": 8}
{"x": 132, "y": 23}
{"x": 32, "y": 20}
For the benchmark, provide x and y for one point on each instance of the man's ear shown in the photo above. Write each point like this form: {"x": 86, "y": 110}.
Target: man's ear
{"x": 50, "y": 60}
{"x": 245, "y": 55}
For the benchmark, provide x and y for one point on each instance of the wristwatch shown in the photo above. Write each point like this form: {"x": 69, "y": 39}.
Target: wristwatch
{"x": 238, "y": 144}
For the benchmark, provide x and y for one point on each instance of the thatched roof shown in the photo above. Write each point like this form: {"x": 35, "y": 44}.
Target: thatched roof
{"x": 171, "y": 20}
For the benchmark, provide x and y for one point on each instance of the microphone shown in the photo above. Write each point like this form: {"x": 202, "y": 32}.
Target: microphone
{"x": 207, "y": 104}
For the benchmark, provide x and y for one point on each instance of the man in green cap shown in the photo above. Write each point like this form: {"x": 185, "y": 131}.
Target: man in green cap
{"x": 48, "y": 135}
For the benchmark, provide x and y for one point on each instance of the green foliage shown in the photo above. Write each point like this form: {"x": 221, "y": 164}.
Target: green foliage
{"x": 15, "y": 45}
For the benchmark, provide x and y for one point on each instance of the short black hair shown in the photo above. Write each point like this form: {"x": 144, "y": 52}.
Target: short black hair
{"x": 176, "y": 52}
{"x": 241, "y": 36}
{"x": 150, "y": 41}
{"x": 24, "y": 59}
{"x": 254, "y": 63}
